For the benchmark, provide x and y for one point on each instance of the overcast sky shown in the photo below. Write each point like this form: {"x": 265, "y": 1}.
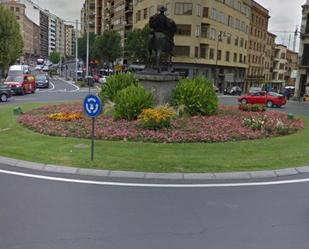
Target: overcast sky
{"x": 285, "y": 14}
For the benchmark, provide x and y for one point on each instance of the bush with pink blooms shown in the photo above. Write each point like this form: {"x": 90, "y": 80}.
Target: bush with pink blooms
{"x": 229, "y": 124}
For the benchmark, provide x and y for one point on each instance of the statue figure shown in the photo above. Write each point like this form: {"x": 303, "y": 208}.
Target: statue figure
{"x": 161, "y": 38}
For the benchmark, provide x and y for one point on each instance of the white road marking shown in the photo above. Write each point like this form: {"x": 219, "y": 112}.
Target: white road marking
{"x": 77, "y": 88}
{"x": 146, "y": 185}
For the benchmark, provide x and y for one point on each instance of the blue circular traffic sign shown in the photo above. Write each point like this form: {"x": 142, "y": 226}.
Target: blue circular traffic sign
{"x": 92, "y": 106}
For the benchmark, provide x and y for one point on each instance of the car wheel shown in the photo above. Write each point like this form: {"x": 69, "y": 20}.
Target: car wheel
{"x": 4, "y": 98}
{"x": 244, "y": 101}
{"x": 269, "y": 104}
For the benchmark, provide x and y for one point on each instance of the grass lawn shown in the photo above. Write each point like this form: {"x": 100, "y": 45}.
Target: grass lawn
{"x": 21, "y": 143}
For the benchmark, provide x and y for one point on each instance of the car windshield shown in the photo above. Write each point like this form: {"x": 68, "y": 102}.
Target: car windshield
{"x": 12, "y": 78}
{"x": 274, "y": 94}
{"x": 40, "y": 77}
{"x": 15, "y": 73}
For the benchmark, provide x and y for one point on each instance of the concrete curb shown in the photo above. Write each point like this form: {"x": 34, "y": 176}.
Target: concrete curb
{"x": 154, "y": 176}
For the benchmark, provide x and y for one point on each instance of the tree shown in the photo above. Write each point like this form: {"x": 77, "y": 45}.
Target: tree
{"x": 137, "y": 45}
{"x": 108, "y": 46}
{"x": 54, "y": 57}
{"x": 82, "y": 47}
{"x": 11, "y": 41}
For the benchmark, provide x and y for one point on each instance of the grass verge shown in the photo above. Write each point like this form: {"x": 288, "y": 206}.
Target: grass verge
{"x": 21, "y": 143}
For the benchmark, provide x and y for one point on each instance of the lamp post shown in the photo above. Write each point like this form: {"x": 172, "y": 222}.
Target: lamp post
{"x": 219, "y": 39}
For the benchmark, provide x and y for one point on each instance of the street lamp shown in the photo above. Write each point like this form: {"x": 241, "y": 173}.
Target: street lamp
{"x": 220, "y": 36}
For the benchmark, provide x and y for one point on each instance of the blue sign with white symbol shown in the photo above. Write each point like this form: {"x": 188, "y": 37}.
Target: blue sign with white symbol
{"x": 92, "y": 106}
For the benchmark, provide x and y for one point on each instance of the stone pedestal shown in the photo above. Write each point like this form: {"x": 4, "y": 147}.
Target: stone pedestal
{"x": 160, "y": 84}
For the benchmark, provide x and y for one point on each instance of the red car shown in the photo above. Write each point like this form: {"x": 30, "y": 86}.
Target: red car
{"x": 21, "y": 84}
{"x": 269, "y": 99}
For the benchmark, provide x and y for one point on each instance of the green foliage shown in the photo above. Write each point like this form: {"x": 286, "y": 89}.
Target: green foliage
{"x": 197, "y": 96}
{"x": 108, "y": 46}
{"x": 131, "y": 101}
{"x": 54, "y": 57}
{"x": 11, "y": 42}
{"x": 82, "y": 47}
{"x": 116, "y": 83}
{"x": 252, "y": 108}
{"x": 137, "y": 45}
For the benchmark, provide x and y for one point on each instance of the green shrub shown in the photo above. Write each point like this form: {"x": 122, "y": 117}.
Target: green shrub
{"x": 197, "y": 96}
{"x": 116, "y": 83}
{"x": 131, "y": 101}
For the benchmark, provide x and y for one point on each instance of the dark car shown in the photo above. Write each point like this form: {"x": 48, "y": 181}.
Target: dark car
{"x": 5, "y": 93}
{"x": 42, "y": 80}
{"x": 235, "y": 90}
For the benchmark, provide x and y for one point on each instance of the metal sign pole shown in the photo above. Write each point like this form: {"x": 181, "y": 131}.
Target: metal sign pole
{"x": 92, "y": 139}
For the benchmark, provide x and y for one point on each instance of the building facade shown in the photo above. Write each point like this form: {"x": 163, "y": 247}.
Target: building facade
{"x": 44, "y": 34}
{"x": 52, "y": 33}
{"x": 269, "y": 57}
{"x": 279, "y": 67}
{"x": 302, "y": 81}
{"x": 69, "y": 41}
{"x": 30, "y": 31}
{"x": 291, "y": 67}
{"x": 60, "y": 36}
{"x": 258, "y": 57}
{"x": 88, "y": 16}
{"x": 215, "y": 41}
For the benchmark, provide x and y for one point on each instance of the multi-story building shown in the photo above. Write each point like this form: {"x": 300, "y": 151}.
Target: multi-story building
{"x": 291, "y": 67}
{"x": 88, "y": 16}
{"x": 69, "y": 41}
{"x": 258, "y": 58}
{"x": 302, "y": 81}
{"x": 44, "y": 34}
{"x": 279, "y": 67}
{"x": 60, "y": 36}
{"x": 268, "y": 59}
{"x": 213, "y": 43}
{"x": 30, "y": 31}
{"x": 52, "y": 33}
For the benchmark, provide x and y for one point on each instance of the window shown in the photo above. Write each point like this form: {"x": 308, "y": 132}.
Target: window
{"x": 205, "y": 12}
{"x": 229, "y": 38}
{"x": 203, "y": 51}
{"x": 211, "y": 54}
{"x": 182, "y": 50}
{"x": 17, "y": 9}
{"x": 183, "y": 8}
{"x": 151, "y": 10}
{"x": 219, "y": 53}
{"x": 204, "y": 30}
{"x": 145, "y": 13}
{"x": 138, "y": 16}
{"x": 235, "y": 57}
{"x": 236, "y": 41}
{"x": 199, "y": 10}
{"x": 227, "y": 56}
{"x": 183, "y": 29}
{"x": 196, "y": 52}
{"x": 240, "y": 58}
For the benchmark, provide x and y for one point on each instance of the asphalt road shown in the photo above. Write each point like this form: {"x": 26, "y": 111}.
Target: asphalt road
{"x": 46, "y": 214}
{"x": 36, "y": 214}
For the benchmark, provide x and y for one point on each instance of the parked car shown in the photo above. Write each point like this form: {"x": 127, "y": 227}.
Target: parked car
{"x": 5, "y": 93}
{"x": 269, "y": 99}
{"x": 38, "y": 67}
{"x": 235, "y": 90}
{"x": 21, "y": 84}
{"x": 45, "y": 68}
{"x": 42, "y": 80}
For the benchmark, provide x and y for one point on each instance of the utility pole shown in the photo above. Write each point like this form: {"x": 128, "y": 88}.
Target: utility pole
{"x": 76, "y": 50}
{"x": 87, "y": 31}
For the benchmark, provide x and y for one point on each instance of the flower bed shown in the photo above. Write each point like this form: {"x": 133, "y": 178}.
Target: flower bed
{"x": 230, "y": 124}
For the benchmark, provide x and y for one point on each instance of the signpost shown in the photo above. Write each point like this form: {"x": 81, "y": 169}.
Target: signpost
{"x": 92, "y": 108}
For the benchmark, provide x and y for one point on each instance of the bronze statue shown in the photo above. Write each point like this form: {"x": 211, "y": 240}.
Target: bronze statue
{"x": 161, "y": 38}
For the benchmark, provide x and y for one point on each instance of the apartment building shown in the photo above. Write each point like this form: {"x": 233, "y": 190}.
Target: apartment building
{"x": 291, "y": 67}
{"x": 213, "y": 43}
{"x": 279, "y": 67}
{"x": 69, "y": 41}
{"x": 44, "y": 34}
{"x": 30, "y": 31}
{"x": 60, "y": 36}
{"x": 88, "y": 16}
{"x": 268, "y": 59}
{"x": 52, "y": 33}
{"x": 259, "y": 56}
{"x": 302, "y": 81}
